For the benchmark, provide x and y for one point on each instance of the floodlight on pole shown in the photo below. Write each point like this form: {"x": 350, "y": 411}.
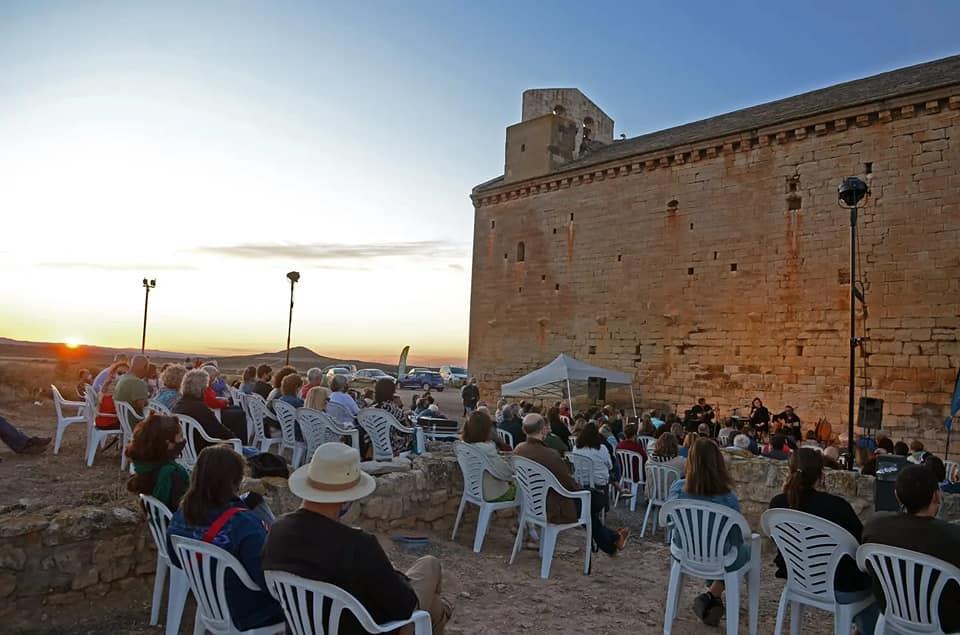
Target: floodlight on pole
{"x": 850, "y": 193}
{"x": 294, "y": 278}
{"x": 147, "y": 286}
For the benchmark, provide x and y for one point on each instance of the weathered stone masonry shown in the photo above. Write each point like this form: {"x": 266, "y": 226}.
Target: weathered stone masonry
{"x": 718, "y": 267}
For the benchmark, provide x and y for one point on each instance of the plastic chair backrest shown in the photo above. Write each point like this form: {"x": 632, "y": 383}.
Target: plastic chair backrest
{"x": 92, "y": 407}
{"x": 287, "y": 416}
{"x": 660, "y": 478}
{"x": 234, "y": 394}
{"x": 127, "y": 417}
{"x": 631, "y": 463}
{"x": 158, "y": 519}
{"x": 306, "y": 601}
{"x": 377, "y": 423}
{"x": 534, "y": 481}
{"x": 505, "y": 436}
{"x": 339, "y": 412}
{"x": 57, "y": 402}
{"x": 473, "y": 463}
{"x": 951, "y": 468}
{"x": 582, "y": 469}
{"x": 811, "y": 548}
{"x": 205, "y": 566}
{"x": 158, "y": 407}
{"x": 646, "y": 441}
{"x": 191, "y": 430}
{"x": 257, "y": 411}
{"x": 700, "y": 533}
{"x": 912, "y": 584}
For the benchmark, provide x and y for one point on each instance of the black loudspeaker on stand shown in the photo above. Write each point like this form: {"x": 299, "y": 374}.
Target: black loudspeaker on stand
{"x": 870, "y": 415}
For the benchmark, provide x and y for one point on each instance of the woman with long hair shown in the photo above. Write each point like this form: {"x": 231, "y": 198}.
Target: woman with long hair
{"x": 666, "y": 450}
{"x": 478, "y": 432}
{"x": 383, "y": 398}
{"x": 800, "y": 493}
{"x": 108, "y": 409}
{"x": 557, "y": 426}
{"x": 759, "y": 416}
{"x": 591, "y": 444}
{"x": 156, "y": 444}
{"x": 213, "y": 512}
{"x": 317, "y": 398}
{"x": 706, "y": 479}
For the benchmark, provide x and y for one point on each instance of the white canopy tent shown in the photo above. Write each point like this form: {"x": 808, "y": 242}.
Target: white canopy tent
{"x": 552, "y": 379}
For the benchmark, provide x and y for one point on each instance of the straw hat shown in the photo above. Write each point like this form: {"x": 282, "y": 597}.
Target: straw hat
{"x": 332, "y": 476}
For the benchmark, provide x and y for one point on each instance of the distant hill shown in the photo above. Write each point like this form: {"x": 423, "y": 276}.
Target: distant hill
{"x": 301, "y": 357}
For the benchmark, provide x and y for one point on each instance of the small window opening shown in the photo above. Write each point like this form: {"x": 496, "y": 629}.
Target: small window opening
{"x": 521, "y": 251}
{"x": 673, "y": 204}
{"x": 559, "y": 110}
{"x": 543, "y": 278}
{"x": 505, "y": 256}
{"x": 571, "y": 215}
{"x": 592, "y": 350}
{"x": 637, "y": 349}
{"x": 798, "y": 349}
{"x": 793, "y": 186}
{"x": 868, "y": 167}
{"x": 554, "y": 230}
{"x": 793, "y": 203}
{"x": 556, "y": 287}
{"x": 619, "y": 257}
{"x": 493, "y": 224}
{"x": 733, "y": 266}
{"x": 519, "y": 289}
{"x": 691, "y": 226}
{"x": 523, "y": 147}
{"x": 715, "y": 254}
{"x": 689, "y": 271}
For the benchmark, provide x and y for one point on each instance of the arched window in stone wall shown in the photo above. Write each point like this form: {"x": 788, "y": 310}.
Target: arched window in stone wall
{"x": 559, "y": 110}
{"x": 521, "y": 251}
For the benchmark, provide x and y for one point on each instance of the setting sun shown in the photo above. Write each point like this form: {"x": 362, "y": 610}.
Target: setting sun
{"x": 72, "y": 342}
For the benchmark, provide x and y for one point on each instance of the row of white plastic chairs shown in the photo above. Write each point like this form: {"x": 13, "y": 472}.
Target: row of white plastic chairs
{"x": 204, "y": 573}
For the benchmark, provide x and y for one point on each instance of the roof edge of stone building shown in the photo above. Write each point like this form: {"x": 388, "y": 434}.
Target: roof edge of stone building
{"x": 887, "y": 85}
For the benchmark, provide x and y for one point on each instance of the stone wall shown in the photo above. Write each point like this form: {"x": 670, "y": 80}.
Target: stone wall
{"x": 51, "y": 558}
{"x": 720, "y": 269}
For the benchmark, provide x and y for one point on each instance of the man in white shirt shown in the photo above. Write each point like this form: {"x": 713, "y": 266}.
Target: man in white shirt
{"x": 338, "y": 384}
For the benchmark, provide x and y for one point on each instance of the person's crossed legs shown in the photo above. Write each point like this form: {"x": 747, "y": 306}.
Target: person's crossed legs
{"x": 426, "y": 576}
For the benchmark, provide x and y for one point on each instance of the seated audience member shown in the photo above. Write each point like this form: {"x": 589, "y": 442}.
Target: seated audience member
{"x": 153, "y": 379}
{"x": 810, "y": 441}
{"x": 630, "y": 443}
{"x": 317, "y": 398}
{"x": 703, "y": 430}
{"x": 831, "y": 458}
{"x": 433, "y": 412}
{"x": 262, "y": 386}
{"x": 314, "y": 379}
{"x": 210, "y": 395}
{"x": 212, "y": 501}
{"x": 667, "y": 451}
{"x": 609, "y": 438}
{"x": 289, "y": 390}
{"x": 753, "y": 436}
{"x": 478, "y": 432}
{"x": 338, "y": 395}
{"x": 248, "y": 381}
{"x": 501, "y": 406}
{"x": 647, "y": 429}
{"x": 740, "y": 446}
{"x": 120, "y": 359}
{"x": 156, "y": 445}
{"x": 800, "y": 493}
{"x": 107, "y": 417}
{"x": 277, "y": 381}
{"x": 676, "y": 429}
{"x": 19, "y": 442}
{"x": 513, "y": 424}
{"x": 132, "y": 387}
{"x": 561, "y": 509}
{"x": 777, "y": 448}
{"x": 170, "y": 379}
{"x": 706, "y": 478}
{"x": 884, "y": 446}
{"x": 384, "y": 398}
{"x": 726, "y": 433}
{"x": 550, "y": 439}
{"x": 688, "y": 440}
{"x": 84, "y": 379}
{"x": 191, "y": 403}
{"x": 311, "y": 542}
{"x": 557, "y": 427}
{"x": 948, "y": 484}
{"x": 919, "y": 530}
{"x": 657, "y": 422}
{"x": 217, "y": 381}
{"x": 916, "y": 452}
{"x": 901, "y": 449}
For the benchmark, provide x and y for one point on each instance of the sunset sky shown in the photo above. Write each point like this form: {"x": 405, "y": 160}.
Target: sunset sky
{"x": 217, "y": 145}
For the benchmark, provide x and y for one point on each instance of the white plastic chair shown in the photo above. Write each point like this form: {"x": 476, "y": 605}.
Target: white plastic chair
{"x": 377, "y": 424}
{"x": 95, "y": 436}
{"x": 647, "y": 442}
{"x": 660, "y": 478}
{"x": 582, "y": 469}
{"x": 951, "y": 468}
{"x": 64, "y": 421}
{"x": 302, "y": 598}
{"x": 128, "y": 419}
{"x": 505, "y": 437}
{"x": 242, "y": 402}
{"x": 473, "y": 464}
{"x": 159, "y": 408}
{"x": 257, "y": 410}
{"x": 698, "y": 549}
{"x": 534, "y": 482}
{"x": 318, "y": 428}
{"x": 234, "y": 394}
{"x": 205, "y": 567}
{"x": 339, "y": 413}
{"x": 287, "y": 416}
{"x": 158, "y": 519}
{"x": 191, "y": 430}
{"x": 811, "y": 548}
{"x": 628, "y": 461}
{"x": 912, "y": 584}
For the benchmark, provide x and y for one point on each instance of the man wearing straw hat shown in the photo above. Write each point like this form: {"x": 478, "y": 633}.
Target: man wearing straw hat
{"x": 312, "y": 543}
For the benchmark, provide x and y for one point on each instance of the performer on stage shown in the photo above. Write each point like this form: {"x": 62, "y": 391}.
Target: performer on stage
{"x": 759, "y": 417}
{"x": 700, "y": 413}
{"x": 791, "y": 423}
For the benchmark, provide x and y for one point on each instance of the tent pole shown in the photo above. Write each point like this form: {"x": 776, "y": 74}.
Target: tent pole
{"x": 569, "y": 398}
{"x": 633, "y": 400}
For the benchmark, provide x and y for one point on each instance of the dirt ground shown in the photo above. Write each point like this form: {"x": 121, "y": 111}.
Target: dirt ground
{"x": 624, "y": 594}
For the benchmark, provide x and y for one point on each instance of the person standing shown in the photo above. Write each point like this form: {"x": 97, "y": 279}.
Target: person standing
{"x": 471, "y": 396}
{"x": 312, "y": 543}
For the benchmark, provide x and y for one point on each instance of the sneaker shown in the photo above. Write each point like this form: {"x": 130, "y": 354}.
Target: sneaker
{"x": 708, "y": 608}
{"x": 623, "y": 533}
{"x": 36, "y": 445}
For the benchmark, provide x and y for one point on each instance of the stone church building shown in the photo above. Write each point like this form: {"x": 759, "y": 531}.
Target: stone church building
{"x": 712, "y": 259}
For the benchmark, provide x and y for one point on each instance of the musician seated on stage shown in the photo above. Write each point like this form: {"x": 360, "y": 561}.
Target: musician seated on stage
{"x": 791, "y": 424}
{"x": 700, "y": 413}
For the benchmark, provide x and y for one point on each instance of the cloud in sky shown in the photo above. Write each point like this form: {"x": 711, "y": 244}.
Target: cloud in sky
{"x": 331, "y": 251}
{"x": 115, "y": 266}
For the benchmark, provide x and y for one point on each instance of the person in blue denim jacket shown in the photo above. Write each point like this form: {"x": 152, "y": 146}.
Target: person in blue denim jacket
{"x": 212, "y": 499}
{"x": 706, "y": 479}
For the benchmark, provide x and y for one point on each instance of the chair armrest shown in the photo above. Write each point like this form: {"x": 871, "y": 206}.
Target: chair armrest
{"x": 403, "y": 428}
{"x": 583, "y": 495}
{"x": 73, "y": 404}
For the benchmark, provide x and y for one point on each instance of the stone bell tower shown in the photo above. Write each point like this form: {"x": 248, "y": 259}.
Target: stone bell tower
{"x": 559, "y": 125}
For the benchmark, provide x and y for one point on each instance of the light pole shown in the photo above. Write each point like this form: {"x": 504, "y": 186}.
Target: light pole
{"x": 294, "y": 277}
{"x": 147, "y": 285}
{"x": 850, "y": 193}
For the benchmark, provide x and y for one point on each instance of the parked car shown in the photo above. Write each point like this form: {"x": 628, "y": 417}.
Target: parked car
{"x": 422, "y": 378}
{"x": 455, "y": 376}
{"x": 337, "y": 370}
{"x": 370, "y": 376}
